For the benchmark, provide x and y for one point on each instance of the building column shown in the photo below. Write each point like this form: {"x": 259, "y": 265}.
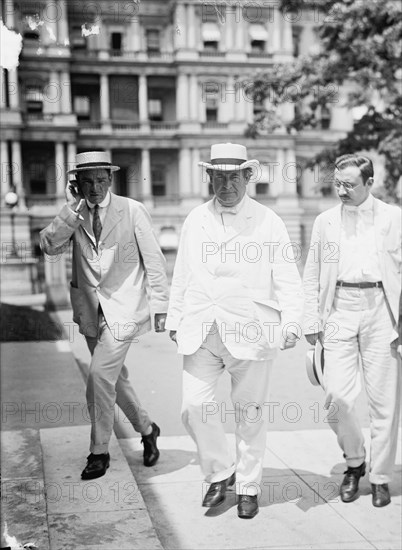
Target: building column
{"x": 185, "y": 173}
{"x": 191, "y": 26}
{"x": 3, "y": 90}
{"x": 65, "y": 86}
{"x": 135, "y": 36}
{"x": 60, "y": 171}
{"x": 202, "y": 114}
{"x": 143, "y": 99}
{"x": 13, "y": 89}
{"x": 5, "y": 170}
{"x": 194, "y": 98}
{"x": 287, "y": 37}
{"x": 9, "y": 12}
{"x": 52, "y": 103}
{"x": 180, "y": 27}
{"x": 16, "y": 168}
{"x": 279, "y": 171}
{"x": 50, "y": 31}
{"x": 239, "y": 33}
{"x": 146, "y": 174}
{"x": 230, "y": 99}
{"x": 63, "y": 24}
{"x": 276, "y": 31}
{"x": 71, "y": 153}
{"x": 290, "y": 173}
{"x": 229, "y": 29}
{"x": 182, "y": 97}
{"x": 104, "y": 98}
{"x": 196, "y": 172}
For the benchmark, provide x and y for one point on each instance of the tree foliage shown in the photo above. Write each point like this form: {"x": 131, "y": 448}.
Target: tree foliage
{"x": 360, "y": 51}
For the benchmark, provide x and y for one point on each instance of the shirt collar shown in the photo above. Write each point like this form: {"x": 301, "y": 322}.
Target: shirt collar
{"x": 102, "y": 204}
{"x": 220, "y": 209}
{"x": 365, "y": 206}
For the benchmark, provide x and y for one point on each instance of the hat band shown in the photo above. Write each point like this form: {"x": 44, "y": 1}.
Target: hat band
{"x": 92, "y": 164}
{"x": 228, "y": 161}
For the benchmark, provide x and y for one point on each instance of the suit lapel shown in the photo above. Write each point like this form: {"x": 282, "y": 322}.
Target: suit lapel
{"x": 381, "y": 230}
{"x": 333, "y": 241}
{"x": 86, "y": 224}
{"x": 114, "y": 215}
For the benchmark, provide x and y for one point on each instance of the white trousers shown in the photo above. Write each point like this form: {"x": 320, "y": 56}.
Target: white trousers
{"x": 108, "y": 384}
{"x": 203, "y": 417}
{"x": 360, "y": 325}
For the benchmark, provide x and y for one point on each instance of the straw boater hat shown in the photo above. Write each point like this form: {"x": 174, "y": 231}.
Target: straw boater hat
{"x": 315, "y": 365}
{"x": 92, "y": 160}
{"x": 229, "y": 156}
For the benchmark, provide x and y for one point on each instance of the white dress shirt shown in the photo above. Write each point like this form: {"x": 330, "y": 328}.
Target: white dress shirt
{"x": 358, "y": 259}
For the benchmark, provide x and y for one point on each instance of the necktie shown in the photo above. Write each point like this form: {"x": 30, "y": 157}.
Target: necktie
{"x": 96, "y": 224}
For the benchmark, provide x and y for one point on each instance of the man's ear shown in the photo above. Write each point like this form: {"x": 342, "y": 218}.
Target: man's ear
{"x": 369, "y": 182}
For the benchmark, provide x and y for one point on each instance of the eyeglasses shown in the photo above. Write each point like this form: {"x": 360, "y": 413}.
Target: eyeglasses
{"x": 346, "y": 186}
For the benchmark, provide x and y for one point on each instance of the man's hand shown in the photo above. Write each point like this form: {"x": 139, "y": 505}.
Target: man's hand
{"x": 313, "y": 337}
{"x": 172, "y": 335}
{"x": 74, "y": 200}
{"x": 160, "y": 320}
{"x": 288, "y": 340}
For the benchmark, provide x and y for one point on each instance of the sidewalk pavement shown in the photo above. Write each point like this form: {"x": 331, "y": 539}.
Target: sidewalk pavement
{"x": 132, "y": 507}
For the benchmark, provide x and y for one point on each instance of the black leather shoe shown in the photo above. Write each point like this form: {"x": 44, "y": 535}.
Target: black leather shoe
{"x": 350, "y": 483}
{"x": 247, "y": 506}
{"x": 151, "y": 451}
{"x": 96, "y": 466}
{"x": 381, "y": 496}
{"x": 216, "y": 493}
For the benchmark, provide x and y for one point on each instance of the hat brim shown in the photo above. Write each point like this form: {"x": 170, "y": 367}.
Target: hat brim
{"x": 315, "y": 365}
{"x": 100, "y": 166}
{"x": 253, "y": 163}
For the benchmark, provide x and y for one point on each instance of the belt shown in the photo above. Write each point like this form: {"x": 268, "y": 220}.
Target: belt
{"x": 377, "y": 284}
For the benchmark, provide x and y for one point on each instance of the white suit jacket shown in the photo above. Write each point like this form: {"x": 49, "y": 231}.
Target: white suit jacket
{"x": 246, "y": 280}
{"x": 321, "y": 269}
{"x": 117, "y": 276}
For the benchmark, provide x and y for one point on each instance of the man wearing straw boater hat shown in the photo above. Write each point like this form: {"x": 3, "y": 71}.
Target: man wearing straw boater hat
{"x": 235, "y": 298}
{"x": 352, "y": 281}
{"x": 115, "y": 256}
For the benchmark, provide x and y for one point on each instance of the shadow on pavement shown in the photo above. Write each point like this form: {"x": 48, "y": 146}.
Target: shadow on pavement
{"x": 25, "y": 324}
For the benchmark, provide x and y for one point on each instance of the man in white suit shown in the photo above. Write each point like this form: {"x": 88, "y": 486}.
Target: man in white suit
{"x": 236, "y": 296}
{"x": 115, "y": 257}
{"x": 352, "y": 283}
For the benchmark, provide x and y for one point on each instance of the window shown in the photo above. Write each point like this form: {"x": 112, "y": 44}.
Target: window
{"x": 34, "y": 99}
{"x": 78, "y": 41}
{"x": 37, "y": 177}
{"x": 211, "y": 36}
{"x": 153, "y": 40}
{"x": 155, "y": 109}
{"x": 211, "y": 102}
{"x": 158, "y": 181}
{"x": 116, "y": 42}
{"x": 120, "y": 182}
{"x": 258, "y": 38}
{"x": 82, "y": 107}
{"x": 325, "y": 117}
{"x": 261, "y": 189}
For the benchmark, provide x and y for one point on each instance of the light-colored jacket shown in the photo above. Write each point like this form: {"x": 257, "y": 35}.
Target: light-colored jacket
{"x": 246, "y": 280}
{"x": 117, "y": 276}
{"x": 321, "y": 269}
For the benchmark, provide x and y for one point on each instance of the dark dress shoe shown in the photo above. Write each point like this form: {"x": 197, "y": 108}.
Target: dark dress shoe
{"x": 216, "y": 493}
{"x": 96, "y": 466}
{"x": 151, "y": 452}
{"x": 381, "y": 496}
{"x": 247, "y": 506}
{"x": 350, "y": 483}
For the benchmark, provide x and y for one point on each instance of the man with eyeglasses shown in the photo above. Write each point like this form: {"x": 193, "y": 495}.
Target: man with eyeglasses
{"x": 352, "y": 283}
